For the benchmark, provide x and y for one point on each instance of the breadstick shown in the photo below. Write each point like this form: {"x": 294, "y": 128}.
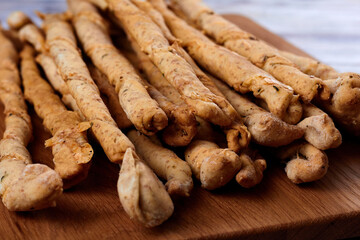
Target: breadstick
{"x": 23, "y": 186}
{"x": 239, "y": 73}
{"x": 319, "y": 128}
{"x": 17, "y": 20}
{"x": 165, "y": 163}
{"x": 62, "y": 47}
{"x": 213, "y": 166}
{"x": 344, "y": 105}
{"x": 311, "y": 66}
{"x": 71, "y": 150}
{"x": 140, "y": 108}
{"x": 142, "y": 195}
{"x": 175, "y": 69}
{"x": 258, "y": 52}
{"x": 251, "y": 172}
{"x": 265, "y": 128}
{"x": 306, "y": 164}
{"x": 112, "y": 98}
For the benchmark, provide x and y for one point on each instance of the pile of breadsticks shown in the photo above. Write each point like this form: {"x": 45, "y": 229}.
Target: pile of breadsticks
{"x": 169, "y": 90}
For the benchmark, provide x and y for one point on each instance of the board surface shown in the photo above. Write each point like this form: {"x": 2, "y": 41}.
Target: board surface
{"x": 326, "y": 209}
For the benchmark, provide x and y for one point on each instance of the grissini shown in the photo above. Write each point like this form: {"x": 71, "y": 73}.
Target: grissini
{"x": 62, "y": 47}
{"x": 175, "y": 69}
{"x": 305, "y": 163}
{"x": 265, "y": 128}
{"x": 140, "y": 108}
{"x": 319, "y": 128}
{"x": 239, "y": 74}
{"x": 142, "y": 195}
{"x": 112, "y": 99}
{"x": 258, "y": 52}
{"x": 165, "y": 163}
{"x": 71, "y": 150}
{"x": 23, "y": 186}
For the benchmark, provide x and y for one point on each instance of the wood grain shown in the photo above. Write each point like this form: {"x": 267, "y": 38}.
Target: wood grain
{"x": 276, "y": 209}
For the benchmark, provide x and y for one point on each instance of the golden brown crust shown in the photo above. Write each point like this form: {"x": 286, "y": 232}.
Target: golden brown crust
{"x": 265, "y": 128}
{"x": 252, "y": 168}
{"x": 71, "y": 150}
{"x": 164, "y": 163}
{"x": 257, "y": 52}
{"x": 62, "y": 47}
{"x": 23, "y": 186}
{"x": 140, "y": 108}
{"x": 213, "y": 166}
{"x": 141, "y": 193}
{"x": 17, "y": 20}
{"x": 175, "y": 69}
{"x": 306, "y": 163}
{"x": 240, "y": 74}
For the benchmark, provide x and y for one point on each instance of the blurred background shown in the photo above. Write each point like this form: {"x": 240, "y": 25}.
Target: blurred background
{"x": 329, "y": 30}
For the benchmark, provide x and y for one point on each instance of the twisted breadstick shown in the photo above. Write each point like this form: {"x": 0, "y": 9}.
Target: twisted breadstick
{"x": 258, "y": 52}
{"x": 306, "y": 162}
{"x": 62, "y": 47}
{"x": 72, "y": 153}
{"x": 239, "y": 73}
{"x": 165, "y": 164}
{"x": 141, "y": 109}
{"x": 175, "y": 69}
{"x": 23, "y": 186}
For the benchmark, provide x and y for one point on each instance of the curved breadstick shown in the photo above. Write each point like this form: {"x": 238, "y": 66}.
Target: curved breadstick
{"x": 252, "y": 164}
{"x": 239, "y": 73}
{"x": 62, "y": 47}
{"x": 306, "y": 164}
{"x": 213, "y": 166}
{"x": 319, "y": 128}
{"x": 142, "y": 195}
{"x": 165, "y": 163}
{"x": 258, "y": 52}
{"x": 111, "y": 100}
{"x": 23, "y": 186}
{"x": 311, "y": 66}
{"x": 33, "y": 35}
{"x": 17, "y": 20}
{"x": 175, "y": 69}
{"x": 265, "y": 128}
{"x": 252, "y": 168}
{"x": 71, "y": 150}
{"x": 141, "y": 109}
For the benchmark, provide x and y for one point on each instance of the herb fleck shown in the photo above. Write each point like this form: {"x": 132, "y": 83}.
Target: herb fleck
{"x": 276, "y": 88}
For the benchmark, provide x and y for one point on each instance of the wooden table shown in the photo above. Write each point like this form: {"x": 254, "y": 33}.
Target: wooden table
{"x": 276, "y": 209}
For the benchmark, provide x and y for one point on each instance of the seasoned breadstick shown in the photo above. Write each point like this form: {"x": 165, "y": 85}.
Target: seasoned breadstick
{"x": 265, "y": 128}
{"x": 142, "y": 195}
{"x": 344, "y": 105}
{"x": 140, "y": 108}
{"x": 213, "y": 166}
{"x": 319, "y": 128}
{"x": 62, "y": 47}
{"x": 258, "y": 52}
{"x": 251, "y": 172}
{"x": 239, "y": 73}
{"x": 71, "y": 150}
{"x": 112, "y": 98}
{"x": 165, "y": 164}
{"x": 175, "y": 69}
{"x": 237, "y": 135}
{"x": 23, "y": 186}
{"x": 307, "y": 163}
{"x": 311, "y": 66}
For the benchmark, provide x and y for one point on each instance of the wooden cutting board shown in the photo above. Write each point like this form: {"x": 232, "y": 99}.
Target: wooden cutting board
{"x": 276, "y": 209}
